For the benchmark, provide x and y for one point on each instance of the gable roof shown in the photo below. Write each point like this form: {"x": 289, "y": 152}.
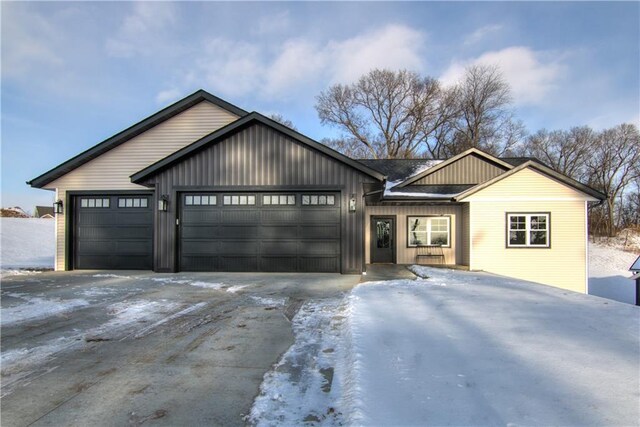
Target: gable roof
{"x": 133, "y": 131}
{"x": 540, "y": 168}
{"x": 237, "y": 126}
{"x": 399, "y": 169}
{"x": 43, "y": 210}
{"x": 471, "y": 151}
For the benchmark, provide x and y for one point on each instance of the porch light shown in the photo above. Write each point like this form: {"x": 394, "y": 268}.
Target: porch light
{"x": 58, "y": 206}
{"x": 352, "y": 203}
{"x": 163, "y": 203}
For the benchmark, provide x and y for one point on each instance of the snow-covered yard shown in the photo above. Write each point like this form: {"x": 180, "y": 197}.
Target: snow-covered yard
{"x": 26, "y": 243}
{"x": 609, "y": 273}
{"x": 457, "y": 348}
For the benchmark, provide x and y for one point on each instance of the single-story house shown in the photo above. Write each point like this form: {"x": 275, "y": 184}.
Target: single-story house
{"x": 203, "y": 185}
{"x": 43, "y": 212}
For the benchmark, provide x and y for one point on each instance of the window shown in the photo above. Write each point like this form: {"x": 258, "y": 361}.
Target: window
{"x": 200, "y": 199}
{"x": 528, "y": 230}
{"x": 279, "y": 199}
{"x": 239, "y": 200}
{"x": 428, "y": 230}
{"x": 132, "y": 202}
{"x": 319, "y": 199}
{"x": 94, "y": 202}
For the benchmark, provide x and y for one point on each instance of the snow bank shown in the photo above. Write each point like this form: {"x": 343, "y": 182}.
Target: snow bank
{"x": 300, "y": 389}
{"x": 27, "y": 243}
{"x": 609, "y": 273}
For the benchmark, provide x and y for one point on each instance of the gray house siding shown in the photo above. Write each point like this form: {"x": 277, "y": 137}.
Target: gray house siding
{"x": 470, "y": 169}
{"x": 259, "y": 158}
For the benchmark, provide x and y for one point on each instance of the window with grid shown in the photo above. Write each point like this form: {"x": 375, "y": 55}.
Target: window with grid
{"x": 528, "y": 230}
{"x": 318, "y": 199}
{"x": 428, "y": 231}
{"x": 279, "y": 199}
{"x": 239, "y": 199}
{"x": 200, "y": 200}
{"x": 94, "y": 202}
{"x": 132, "y": 202}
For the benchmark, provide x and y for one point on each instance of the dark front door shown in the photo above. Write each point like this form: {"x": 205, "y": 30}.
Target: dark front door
{"x": 383, "y": 240}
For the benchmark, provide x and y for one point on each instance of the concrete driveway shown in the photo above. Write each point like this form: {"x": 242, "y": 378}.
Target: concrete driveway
{"x": 127, "y": 348}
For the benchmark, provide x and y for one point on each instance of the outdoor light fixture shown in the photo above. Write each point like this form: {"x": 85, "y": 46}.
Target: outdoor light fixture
{"x": 352, "y": 203}
{"x": 163, "y": 203}
{"x": 58, "y": 207}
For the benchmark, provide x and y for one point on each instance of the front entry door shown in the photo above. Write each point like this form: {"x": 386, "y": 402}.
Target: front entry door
{"x": 383, "y": 240}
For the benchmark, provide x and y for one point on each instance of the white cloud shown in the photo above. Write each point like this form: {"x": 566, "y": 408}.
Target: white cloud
{"x": 481, "y": 33}
{"x": 144, "y": 31}
{"x": 238, "y": 68}
{"x": 532, "y": 75}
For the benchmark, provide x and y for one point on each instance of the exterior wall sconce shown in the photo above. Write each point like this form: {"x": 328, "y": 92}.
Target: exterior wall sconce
{"x": 163, "y": 203}
{"x": 58, "y": 207}
{"x": 352, "y": 203}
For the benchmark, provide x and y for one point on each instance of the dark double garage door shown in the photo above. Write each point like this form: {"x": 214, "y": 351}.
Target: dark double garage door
{"x": 295, "y": 232}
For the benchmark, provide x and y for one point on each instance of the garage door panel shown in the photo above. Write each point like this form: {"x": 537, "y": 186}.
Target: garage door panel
{"x": 279, "y": 263}
{"x": 280, "y": 216}
{"x": 238, "y": 216}
{"x": 198, "y": 247}
{"x": 109, "y": 236}
{"x": 274, "y": 237}
{"x": 320, "y": 231}
{"x": 239, "y": 263}
{"x": 279, "y": 247}
{"x": 244, "y": 247}
{"x": 320, "y": 216}
{"x": 278, "y": 232}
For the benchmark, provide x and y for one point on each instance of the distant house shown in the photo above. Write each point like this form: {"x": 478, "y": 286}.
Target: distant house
{"x": 203, "y": 185}
{"x": 43, "y": 212}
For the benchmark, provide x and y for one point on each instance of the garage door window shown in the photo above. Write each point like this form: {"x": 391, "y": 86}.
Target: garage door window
{"x": 94, "y": 202}
{"x": 132, "y": 202}
{"x": 279, "y": 199}
{"x": 200, "y": 200}
{"x": 239, "y": 200}
{"x": 318, "y": 199}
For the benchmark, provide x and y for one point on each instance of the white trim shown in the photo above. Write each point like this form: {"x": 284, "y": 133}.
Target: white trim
{"x": 527, "y": 199}
{"x": 470, "y": 239}
{"x": 586, "y": 247}
{"x": 527, "y": 230}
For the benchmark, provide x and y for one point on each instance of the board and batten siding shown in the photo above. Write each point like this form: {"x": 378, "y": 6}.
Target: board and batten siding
{"x": 470, "y": 169}
{"x": 111, "y": 170}
{"x": 464, "y": 234}
{"x": 407, "y": 255}
{"x": 563, "y": 264}
{"x": 259, "y": 156}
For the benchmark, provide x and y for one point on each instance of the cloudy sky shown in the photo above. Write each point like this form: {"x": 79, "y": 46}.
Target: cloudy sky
{"x": 75, "y": 73}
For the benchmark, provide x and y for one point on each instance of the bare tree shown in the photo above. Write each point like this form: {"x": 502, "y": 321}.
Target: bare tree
{"x": 564, "y": 151}
{"x": 485, "y": 118}
{"x": 612, "y": 165}
{"x": 389, "y": 113}
{"x": 277, "y": 117}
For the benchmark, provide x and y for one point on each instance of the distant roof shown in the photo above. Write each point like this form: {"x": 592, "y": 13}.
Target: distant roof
{"x": 636, "y": 266}
{"x": 43, "y": 210}
{"x": 133, "y": 131}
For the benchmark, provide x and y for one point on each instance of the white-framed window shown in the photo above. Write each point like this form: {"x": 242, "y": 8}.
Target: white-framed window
{"x": 279, "y": 199}
{"x": 200, "y": 200}
{"x": 239, "y": 199}
{"x": 94, "y": 202}
{"x": 132, "y": 202}
{"x": 319, "y": 199}
{"x": 528, "y": 230}
{"x": 428, "y": 230}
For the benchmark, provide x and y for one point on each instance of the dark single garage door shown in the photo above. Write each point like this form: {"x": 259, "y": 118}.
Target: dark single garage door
{"x": 260, "y": 232}
{"x": 113, "y": 232}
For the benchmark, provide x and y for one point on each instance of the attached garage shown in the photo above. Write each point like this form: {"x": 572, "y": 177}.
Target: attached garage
{"x": 258, "y": 231}
{"x": 113, "y": 231}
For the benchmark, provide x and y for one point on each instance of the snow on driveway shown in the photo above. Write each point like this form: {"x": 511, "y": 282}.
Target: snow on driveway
{"x": 459, "y": 348}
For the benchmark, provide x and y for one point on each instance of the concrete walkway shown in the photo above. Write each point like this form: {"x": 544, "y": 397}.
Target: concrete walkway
{"x": 378, "y": 272}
